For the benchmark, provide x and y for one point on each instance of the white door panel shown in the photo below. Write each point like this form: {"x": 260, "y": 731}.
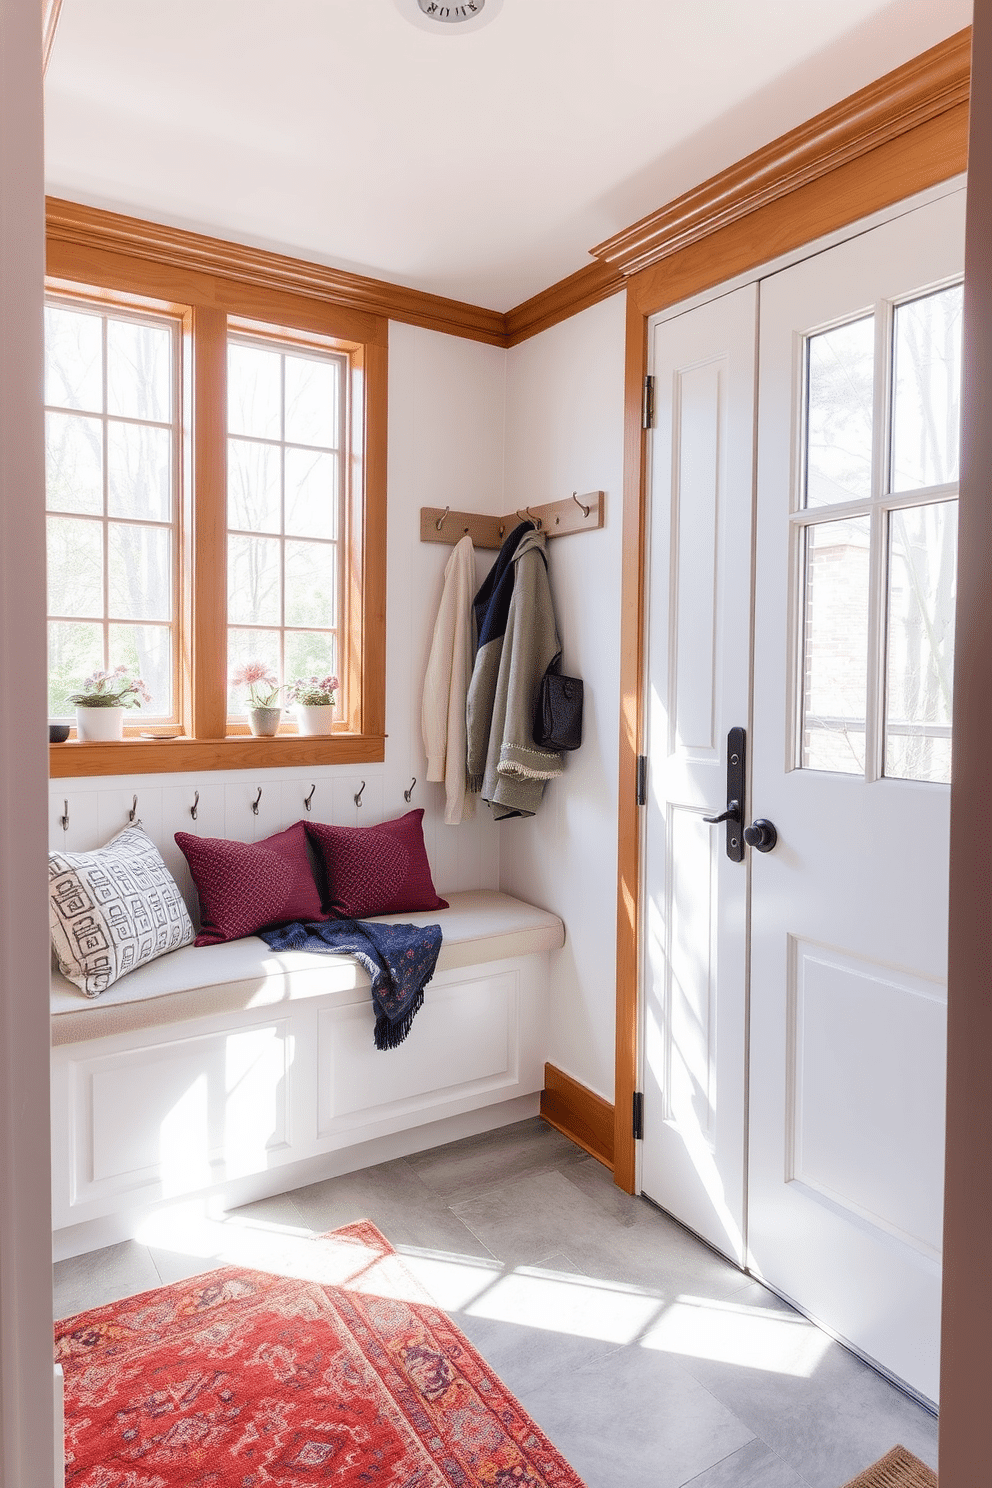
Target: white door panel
{"x": 849, "y": 912}
{"x": 694, "y": 951}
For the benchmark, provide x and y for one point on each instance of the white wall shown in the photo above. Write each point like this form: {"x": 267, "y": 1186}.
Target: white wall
{"x": 564, "y": 432}
{"x": 446, "y": 412}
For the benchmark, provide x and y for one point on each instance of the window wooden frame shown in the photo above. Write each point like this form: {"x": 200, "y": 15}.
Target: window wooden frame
{"x": 91, "y": 264}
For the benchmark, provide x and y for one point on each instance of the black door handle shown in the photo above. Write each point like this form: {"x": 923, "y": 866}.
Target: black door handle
{"x": 732, "y": 813}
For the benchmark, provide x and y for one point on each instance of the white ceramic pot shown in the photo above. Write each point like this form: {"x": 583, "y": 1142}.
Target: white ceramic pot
{"x": 264, "y": 722}
{"x": 315, "y": 719}
{"x": 99, "y": 725}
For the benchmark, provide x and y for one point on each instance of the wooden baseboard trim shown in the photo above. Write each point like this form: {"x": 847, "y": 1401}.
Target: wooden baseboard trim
{"x": 579, "y": 1113}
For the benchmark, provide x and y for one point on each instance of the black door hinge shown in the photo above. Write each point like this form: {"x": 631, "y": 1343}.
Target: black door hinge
{"x": 647, "y": 404}
{"x": 642, "y": 780}
{"x": 638, "y": 1115}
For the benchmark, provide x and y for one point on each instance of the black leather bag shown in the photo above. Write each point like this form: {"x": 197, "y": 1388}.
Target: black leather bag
{"x": 558, "y": 717}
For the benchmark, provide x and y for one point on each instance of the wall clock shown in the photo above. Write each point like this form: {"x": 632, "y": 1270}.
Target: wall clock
{"x": 449, "y": 17}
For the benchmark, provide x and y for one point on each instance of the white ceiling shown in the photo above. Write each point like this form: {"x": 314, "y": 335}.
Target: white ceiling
{"x": 481, "y": 166}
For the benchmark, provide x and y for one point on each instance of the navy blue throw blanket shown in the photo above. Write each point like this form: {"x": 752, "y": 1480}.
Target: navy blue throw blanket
{"x": 400, "y": 959}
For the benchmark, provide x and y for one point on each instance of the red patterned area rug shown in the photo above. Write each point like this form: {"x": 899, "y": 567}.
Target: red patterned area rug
{"x": 342, "y": 1372}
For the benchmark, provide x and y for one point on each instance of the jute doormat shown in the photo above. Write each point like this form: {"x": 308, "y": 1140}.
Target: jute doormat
{"x": 897, "y": 1469}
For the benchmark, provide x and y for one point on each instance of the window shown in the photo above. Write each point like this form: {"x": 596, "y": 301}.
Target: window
{"x": 216, "y": 491}
{"x": 111, "y": 435}
{"x": 877, "y": 529}
{"x": 286, "y": 423}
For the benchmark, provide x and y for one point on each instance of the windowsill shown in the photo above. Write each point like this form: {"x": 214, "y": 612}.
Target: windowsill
{"x": 163, "y": 756}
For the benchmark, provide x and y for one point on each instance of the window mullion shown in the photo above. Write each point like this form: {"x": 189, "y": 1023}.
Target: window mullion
{"x": 208, "y": 578}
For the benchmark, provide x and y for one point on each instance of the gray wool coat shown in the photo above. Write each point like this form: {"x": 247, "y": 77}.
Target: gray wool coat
{"x": 504, "y": 763}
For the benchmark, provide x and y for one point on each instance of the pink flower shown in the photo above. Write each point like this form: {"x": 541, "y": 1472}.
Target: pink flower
{"x": 251, "y": 672}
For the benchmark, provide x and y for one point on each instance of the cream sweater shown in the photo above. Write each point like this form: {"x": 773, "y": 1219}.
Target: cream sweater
{"x": 449, "y": 669}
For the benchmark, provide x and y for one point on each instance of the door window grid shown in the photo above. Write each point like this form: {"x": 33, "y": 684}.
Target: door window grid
{"x": 878, "y": 737}
{"x": 112, "y": 477}
{"x": 286, "y": 539}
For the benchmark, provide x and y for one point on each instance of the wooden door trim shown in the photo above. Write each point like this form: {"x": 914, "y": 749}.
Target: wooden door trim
{"x": 905, "y": 163}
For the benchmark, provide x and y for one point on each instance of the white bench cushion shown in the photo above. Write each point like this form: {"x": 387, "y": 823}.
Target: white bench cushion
{"x": 479, "y": 927}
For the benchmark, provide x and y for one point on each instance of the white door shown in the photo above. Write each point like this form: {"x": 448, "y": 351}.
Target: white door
{"x": 701, "y": 480}
{"x": 858, "y": 409}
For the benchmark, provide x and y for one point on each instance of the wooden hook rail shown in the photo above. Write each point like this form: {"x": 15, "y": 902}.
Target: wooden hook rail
{"x": 577, "y": 513}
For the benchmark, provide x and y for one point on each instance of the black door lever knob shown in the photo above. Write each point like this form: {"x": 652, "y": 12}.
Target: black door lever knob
{"x": 761, "y": 834}
{"x": 732, "y": 813}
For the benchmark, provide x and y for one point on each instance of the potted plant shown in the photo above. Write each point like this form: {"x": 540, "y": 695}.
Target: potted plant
{"x": 101, "y": 701}
{"x": 313, "y": 698}
{"x": 263, "y": 689}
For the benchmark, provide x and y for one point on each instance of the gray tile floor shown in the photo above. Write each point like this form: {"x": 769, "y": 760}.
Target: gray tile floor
{"x": 645, "y": 1358}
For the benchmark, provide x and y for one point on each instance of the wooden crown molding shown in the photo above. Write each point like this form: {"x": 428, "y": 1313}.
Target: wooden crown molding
{"x": 93, "y": 228}
{"x": 595, "y": 282}
{"x": 929, "y": 85}
{"x": 51, "y": 10}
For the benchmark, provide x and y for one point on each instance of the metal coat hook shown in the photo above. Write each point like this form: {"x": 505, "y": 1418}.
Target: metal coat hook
{"x": 196, "y": 802}
{"x": 64, "y": 818}
{"x": 440, "y": 521}
{"x": 528, "y": 516}
{"x": 358, "y": 796}
{"x": 308, "y": 800}
{"x": 254, "y": 804}
{"x": 585, "y": 510}
{"x": 408, "y": 794}
{"x": 132, "y": 814}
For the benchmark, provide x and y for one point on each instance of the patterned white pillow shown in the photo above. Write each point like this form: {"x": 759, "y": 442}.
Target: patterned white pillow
{"x": 113, "y": 909}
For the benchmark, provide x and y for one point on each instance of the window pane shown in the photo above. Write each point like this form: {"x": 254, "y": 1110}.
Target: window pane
{"x": 926, "y": 415}
{"x": 311, "y": 654}
{"x": 311, "y": 494}
{"x": 139, "y": 471}
{"x": 253, "y": 580}
{"x": 835, "y": 646}
{"x": 75, "y": 650}
{"x": 139, "y": 370}
{"x": 249, "y": 645}
{"x": 920, "y": 659}
{"x": 311, "y": 583}
{"x": 311, "y": 402}
{"x": 139, "y": 572}
{"x": 74, "y": 463}
{"x": 147, "y": 650}
{"x": 73, "y": 359}
{"x": 253, "y": 486}
{"x": 254, "y": 391}
{"x": 840, "y": 393}
{"x": 75, "y": 567}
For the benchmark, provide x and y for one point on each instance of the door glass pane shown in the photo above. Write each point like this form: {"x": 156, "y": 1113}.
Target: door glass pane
{"x": 926, "y": 414}
{"x": 835, "y": 646}
{"x": 139, "y": 370}
{"x": 840, "y": 374}
{"x": 920, "y": 641}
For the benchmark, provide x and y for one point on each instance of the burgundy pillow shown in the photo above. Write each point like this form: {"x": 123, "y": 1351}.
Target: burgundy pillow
{"x": 376, "y": 870}
{"x": 248, "y": 886}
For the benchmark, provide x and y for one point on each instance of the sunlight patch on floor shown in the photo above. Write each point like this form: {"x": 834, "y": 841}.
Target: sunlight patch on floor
{"x": 769, "y": 1339}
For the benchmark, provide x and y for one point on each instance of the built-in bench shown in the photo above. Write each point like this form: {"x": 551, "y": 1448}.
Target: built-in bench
{"x": 235, "y": 1071}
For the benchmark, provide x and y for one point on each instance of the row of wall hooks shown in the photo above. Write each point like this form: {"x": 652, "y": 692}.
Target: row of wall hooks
{"x": 132, "y": 815}
{"x": 554, "y": 518}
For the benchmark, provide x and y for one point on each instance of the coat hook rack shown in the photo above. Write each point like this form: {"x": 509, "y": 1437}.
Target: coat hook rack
{"x": 254, "y": 804}
{"x": 358, "y": 794}
{"x": 408, "y": 794}
{"x": 64, "y": 818}
{"x": 308, "y": 800}
{"x": 576, "y": 513}
{"x": 133, "y": 813}
{"x": 195, "y": 806}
